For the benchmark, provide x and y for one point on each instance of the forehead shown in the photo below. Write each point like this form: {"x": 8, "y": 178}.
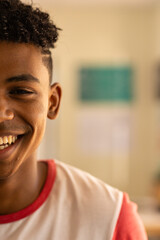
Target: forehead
{"x": 18, "y": 58}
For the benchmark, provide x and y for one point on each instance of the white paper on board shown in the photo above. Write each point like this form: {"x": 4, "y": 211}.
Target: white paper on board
{"x": 106, "y": 132}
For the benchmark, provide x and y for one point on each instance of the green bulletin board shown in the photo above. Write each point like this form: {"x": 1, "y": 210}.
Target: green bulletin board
{"x": 105, "y": 83}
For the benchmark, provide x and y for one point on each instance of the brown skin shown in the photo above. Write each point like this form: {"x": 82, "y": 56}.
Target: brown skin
{"x": 24, "y": 107}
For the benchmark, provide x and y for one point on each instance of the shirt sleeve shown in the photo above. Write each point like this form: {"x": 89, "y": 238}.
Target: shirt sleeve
{"x": 129, "y": 225}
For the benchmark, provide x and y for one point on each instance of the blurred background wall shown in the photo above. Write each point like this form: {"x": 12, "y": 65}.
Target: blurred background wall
{"x": 105, "y": 34}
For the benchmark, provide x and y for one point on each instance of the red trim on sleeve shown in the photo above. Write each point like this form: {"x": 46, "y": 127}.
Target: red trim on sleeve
{"x": 39, "y": 201}
{"x": 129, "y": 225}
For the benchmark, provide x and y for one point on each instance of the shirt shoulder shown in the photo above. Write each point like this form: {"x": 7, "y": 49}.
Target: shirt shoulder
{"x": 96, "y": 203}
{"x": 106, "y": 208}
{"x": 129, "y": 225}
{"x": 82, "y": 182}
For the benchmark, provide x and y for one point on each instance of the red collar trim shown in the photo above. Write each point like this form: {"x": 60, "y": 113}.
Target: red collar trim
{"x": 8, "y": 218}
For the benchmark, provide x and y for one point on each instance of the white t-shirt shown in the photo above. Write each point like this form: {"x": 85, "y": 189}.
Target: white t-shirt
{"x": 74, "y": 205}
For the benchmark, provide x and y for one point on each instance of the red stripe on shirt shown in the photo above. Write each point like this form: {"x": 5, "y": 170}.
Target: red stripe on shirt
{"x": 129, "y": 225}
{"x": 39, "y": 201}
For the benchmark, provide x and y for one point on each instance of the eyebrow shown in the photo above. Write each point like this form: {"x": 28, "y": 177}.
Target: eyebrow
{"x": 23, "y": 77}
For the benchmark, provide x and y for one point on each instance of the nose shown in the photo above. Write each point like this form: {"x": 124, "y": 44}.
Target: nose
{"x": 5, "y": 112}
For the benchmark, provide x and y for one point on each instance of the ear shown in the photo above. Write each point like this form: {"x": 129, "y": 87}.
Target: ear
{"x": 54, "y": 100}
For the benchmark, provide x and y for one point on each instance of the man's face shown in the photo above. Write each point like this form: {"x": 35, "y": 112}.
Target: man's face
{"x": 25, "y": 99}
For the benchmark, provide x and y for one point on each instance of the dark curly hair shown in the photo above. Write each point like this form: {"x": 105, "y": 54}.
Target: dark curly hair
{"x": 22, "y": 23}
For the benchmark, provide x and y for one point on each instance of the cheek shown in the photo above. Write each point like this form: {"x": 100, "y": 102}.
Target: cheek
{"x": 36, "y": 109}
{"x": 38, "y": 113}
{"x": 36, "y": 120}
{"x": 39, "y": 116}
{"x": 33, "y": 115}
{"x": 38, "y": 123}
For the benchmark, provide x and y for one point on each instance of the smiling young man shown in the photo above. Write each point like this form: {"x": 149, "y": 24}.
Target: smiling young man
{"x": 45, "y": 200}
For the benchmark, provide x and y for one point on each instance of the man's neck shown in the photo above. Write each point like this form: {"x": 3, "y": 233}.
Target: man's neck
{"x": 23, "y": 188}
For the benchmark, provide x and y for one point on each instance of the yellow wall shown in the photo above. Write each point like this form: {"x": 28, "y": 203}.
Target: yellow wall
{"x": 109, "y": 35}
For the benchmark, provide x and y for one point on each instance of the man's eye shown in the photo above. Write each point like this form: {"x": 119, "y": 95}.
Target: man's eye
{"x": 20, "y": 91}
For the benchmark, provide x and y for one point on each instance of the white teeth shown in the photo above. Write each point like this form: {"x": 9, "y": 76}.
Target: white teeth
{"x": 10, "y": 139}
{"x": 7, "y": 139}
{"x": 3, "y": 146}
{"x": 14, "y": 139}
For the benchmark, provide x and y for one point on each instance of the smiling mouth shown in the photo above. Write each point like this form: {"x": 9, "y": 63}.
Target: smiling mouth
{"x": 6, "y": 141}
